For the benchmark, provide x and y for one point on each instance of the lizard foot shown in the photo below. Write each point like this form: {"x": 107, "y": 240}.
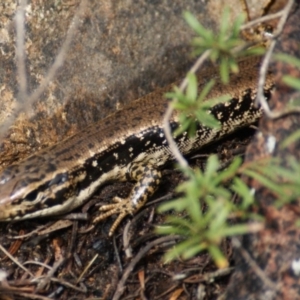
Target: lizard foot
{"x": 122, "y": 208}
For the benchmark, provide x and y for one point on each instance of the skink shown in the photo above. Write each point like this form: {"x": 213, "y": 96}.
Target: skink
{"x": 127, "y": 145}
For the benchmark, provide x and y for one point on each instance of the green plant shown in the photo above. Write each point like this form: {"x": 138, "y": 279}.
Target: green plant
{"x": 205, "y": 230}
{"x": 214, "y": 188}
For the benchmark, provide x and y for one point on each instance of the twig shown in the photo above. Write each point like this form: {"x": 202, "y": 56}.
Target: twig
{"x": 15, "y": 261}
{"x": 59, "y": 59}
{"x": 32, "y": 296}
{"x": 32, "y": 262}
{"x": 20, "y": 52}
{"x": 261, "y": 20}
{"x": 265, "y": 63}
{"x": 87, "y": 268}
{"x": 173, "y": 147}
{"x": 67, "y": 284}
{"x": 47, "y": 278}
{"x": 135, "y": 260}
{"x": 31, "y": 99}
{"x": 126, "y": 240}
{"x": 117, "y": 254}
{"x": 258, "y": 271}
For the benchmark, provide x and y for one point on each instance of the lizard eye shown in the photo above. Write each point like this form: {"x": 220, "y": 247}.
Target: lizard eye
{"x": 32, "y": 195}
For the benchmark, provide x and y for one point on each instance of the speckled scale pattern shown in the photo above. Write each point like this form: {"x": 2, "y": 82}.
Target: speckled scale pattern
{"x": 62, "y": 177}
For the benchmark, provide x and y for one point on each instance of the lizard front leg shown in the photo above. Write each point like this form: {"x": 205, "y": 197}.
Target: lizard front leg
{"x": 147, "y": 179}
